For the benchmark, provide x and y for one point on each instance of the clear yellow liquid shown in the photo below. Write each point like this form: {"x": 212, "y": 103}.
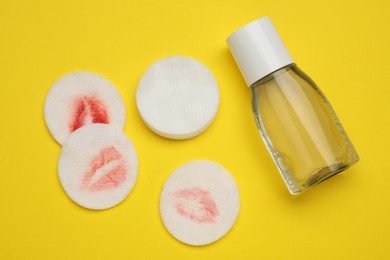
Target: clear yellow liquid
{"x": 300, "y": 129}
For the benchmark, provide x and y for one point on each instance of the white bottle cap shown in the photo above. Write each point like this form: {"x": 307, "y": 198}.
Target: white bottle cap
{"x": 258, "y": 50}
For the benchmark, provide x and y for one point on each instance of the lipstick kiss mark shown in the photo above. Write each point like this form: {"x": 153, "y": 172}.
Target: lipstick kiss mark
{"x": 108, "y": 171}
{"x": 196, "y": 204}
{"x": 88, "y": 109}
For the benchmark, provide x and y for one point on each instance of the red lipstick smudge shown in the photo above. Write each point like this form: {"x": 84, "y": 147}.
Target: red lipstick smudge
{"x": 114, "y": 174}
{"x": 196, "y": 204}
{"x": 88, "y": 108}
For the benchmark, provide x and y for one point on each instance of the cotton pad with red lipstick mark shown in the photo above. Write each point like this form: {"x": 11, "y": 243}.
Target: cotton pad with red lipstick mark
{"x": 98, "y": 166}
{"x": 79, "y": 99}
{"x": 199, "y": 202}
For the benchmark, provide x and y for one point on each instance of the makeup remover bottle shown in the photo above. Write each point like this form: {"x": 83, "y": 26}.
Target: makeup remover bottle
{"x": 294, "y": 118}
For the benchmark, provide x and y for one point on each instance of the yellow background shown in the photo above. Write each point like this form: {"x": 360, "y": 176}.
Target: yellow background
{"x": 343, "y": 45}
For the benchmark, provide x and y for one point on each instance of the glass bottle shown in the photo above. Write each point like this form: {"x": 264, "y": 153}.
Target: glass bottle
{"x": 295, "y": 120}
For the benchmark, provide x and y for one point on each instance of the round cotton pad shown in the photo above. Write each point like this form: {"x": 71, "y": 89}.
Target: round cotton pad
{"x": 178, "y": 97}
{"x": 98, "y": 166}
{"x": 82, "y": 98}
{"x": 199, "y": 203}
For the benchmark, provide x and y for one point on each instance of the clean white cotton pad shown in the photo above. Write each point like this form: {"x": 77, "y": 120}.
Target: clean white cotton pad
{"x": 199, "y": 203}
{"x": 79, "y": 99}
{"x": 98, "y": 166}
{"x": 178, "y": 97}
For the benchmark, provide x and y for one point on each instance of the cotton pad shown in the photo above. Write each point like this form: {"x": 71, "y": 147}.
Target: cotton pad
{"x": 79, "y": 99}
{"x": 177, "y": 97}
{"x": 98, "y": 166}
{"x": 199, "y": 203}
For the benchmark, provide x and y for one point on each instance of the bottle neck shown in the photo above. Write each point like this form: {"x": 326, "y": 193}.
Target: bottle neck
{"x": 273, "y": 75}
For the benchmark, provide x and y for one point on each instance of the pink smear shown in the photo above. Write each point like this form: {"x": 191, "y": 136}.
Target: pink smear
{"x": 86, "y": 109}
{"x": 114, "y": 176}
{"x": 196, "y": 204}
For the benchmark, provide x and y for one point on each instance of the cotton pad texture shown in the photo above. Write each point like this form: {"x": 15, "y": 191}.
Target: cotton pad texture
{"x": 199, "y": 203}
{"x": 79, "y": 99}
{"x": 98, "y": 166}
{"x": 178, "y": 97}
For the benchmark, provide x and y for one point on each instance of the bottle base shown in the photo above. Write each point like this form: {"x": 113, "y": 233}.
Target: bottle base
{"x": 318, "y": 177}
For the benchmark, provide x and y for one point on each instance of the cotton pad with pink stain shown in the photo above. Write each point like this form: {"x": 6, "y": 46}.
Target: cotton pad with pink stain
{"x": 199, "y": 202}
{"x": 98, "y": 166}
{"x": 81, "y": 98}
